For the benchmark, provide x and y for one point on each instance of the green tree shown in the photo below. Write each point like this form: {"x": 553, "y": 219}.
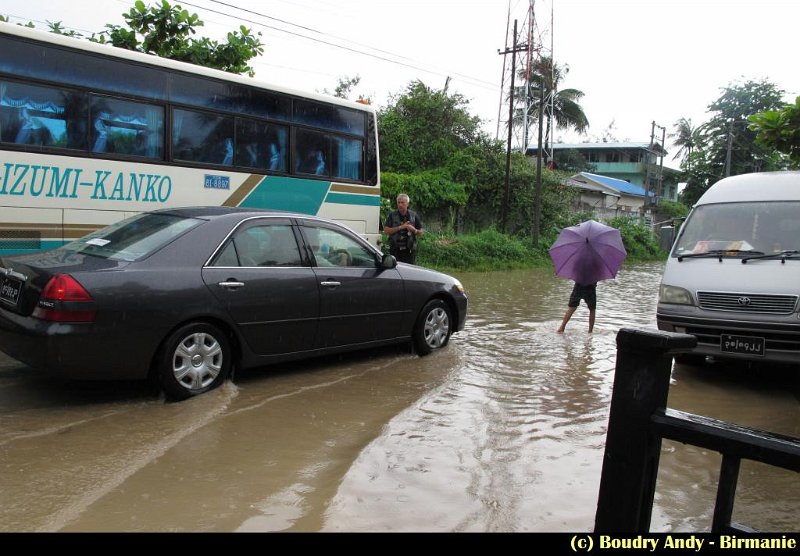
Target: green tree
{"x": 344, "y": 88}
{"x": 430, "y": 148}
{"x": 779, "y": 130}
{"x": 541, "y": 82}
{"x": 166, "y": 30}
{"x": 686, "y": 138}
{"x": 424, "y": 128}
{"x": 727, "y": 146}
{"x": 433, "y": 149}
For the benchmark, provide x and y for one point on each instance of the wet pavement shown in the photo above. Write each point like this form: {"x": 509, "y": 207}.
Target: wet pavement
{"x": 503, "y": 430}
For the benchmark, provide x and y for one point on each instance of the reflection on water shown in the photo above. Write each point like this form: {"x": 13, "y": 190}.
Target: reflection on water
{"x": 503, "y": 430}
{"x": 513, "y": 439}
{"x": 519, "y": 424}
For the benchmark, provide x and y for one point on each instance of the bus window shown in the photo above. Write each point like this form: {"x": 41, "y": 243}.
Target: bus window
{"x": 347, "y": 155}
{"x": 48, "y": 117}
{"x": 202, "y": 137}
{"x": 212, "y": 94}
{"x": 311, "y": 153}
{"x": 124, "y": 127}
{"x": 109, "y": 131}
{"x": 261, "y": 145}
{"x": 328, "y": 117}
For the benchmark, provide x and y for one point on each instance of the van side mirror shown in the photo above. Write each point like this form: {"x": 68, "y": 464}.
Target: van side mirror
{"x": 388, "y": 261}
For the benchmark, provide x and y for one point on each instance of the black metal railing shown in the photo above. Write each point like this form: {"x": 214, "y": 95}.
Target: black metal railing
{"x": 639, "y": 420}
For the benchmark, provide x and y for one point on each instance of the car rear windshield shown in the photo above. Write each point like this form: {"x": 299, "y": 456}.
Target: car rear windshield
{"x": 133, "y": 238}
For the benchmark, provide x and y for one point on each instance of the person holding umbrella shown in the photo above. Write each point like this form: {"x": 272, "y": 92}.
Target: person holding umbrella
{"x": 587, "y": 292}
{"x": 587, "y": 253}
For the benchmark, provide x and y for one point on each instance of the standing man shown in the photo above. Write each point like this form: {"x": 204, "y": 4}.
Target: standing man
{"x": 403, "y": 226}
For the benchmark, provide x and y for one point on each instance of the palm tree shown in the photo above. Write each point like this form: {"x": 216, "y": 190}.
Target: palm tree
{"x": 541, "y": 82}
{"x": 686, "y": 137}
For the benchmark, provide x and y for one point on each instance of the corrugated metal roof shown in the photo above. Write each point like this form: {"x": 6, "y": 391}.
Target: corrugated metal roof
{"x": 591, "y": 187}
{"x": 618, "y": 185}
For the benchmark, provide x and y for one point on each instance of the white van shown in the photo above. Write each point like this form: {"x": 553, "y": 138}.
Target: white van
{"x": 733, "y": 276}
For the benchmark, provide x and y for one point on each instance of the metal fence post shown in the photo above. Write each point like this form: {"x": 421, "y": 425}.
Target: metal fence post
{"x": 630, "y": 463}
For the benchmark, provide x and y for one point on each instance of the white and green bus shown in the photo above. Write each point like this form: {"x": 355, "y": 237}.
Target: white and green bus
{"x": 90, "y": 134}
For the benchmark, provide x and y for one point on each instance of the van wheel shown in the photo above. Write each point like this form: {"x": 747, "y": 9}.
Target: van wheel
{"x": 432, "y": 329}
{"x": 194, "y": 359}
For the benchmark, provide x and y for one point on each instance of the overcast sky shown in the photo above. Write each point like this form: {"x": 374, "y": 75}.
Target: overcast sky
{"x": 636, "y": 61}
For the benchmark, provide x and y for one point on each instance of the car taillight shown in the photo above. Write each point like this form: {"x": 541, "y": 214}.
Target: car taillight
{"x": 63, "y": 299}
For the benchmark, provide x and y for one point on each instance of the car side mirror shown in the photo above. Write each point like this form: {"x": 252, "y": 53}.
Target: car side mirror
{"x": 388, "y": 261}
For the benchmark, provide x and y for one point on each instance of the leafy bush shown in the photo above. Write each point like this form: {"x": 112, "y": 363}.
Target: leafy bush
{"x": 638, "y": 238}
{"x": 670, "y": 209}
{"x": 486, "y": 250}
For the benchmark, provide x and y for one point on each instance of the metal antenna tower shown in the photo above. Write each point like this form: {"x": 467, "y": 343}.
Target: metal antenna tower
{"x": 531, "y": 51}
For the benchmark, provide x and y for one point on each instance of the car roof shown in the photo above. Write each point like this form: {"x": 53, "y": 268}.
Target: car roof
{"x": 240, "y": 213}
{"x": 217, "y": 211}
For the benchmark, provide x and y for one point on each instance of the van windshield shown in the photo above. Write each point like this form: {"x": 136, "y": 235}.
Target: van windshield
{"x": 734, "y": 229}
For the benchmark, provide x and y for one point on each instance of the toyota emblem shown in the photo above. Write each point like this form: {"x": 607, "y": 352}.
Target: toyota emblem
{"x": 745, "y": 301}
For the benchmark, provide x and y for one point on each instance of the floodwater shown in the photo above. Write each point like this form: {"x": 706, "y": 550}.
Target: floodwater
{"x": 503, "y": 430}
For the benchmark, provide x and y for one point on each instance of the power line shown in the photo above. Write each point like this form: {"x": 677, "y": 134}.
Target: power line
{"x": 373, "y": 52}
{"x": 412, "y": 64}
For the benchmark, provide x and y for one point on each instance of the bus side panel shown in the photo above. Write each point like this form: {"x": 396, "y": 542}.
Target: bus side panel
{"x": 29, "y": 229}
{"x": 47, "y": 200}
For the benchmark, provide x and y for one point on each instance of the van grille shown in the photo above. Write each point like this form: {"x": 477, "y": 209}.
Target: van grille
{"x": 747, "y": 302}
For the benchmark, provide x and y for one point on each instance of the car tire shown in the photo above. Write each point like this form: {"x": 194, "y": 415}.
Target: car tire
{"x": 433, "y": 327}
{"x": 194, "y": 359}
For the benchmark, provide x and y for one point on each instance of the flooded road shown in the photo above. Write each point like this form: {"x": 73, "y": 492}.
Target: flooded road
{"x": 504, "y": 430}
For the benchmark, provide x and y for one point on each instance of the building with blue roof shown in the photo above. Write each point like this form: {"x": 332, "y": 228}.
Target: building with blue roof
{"x": 639, "y": 164}
{"x": 608, "y": 197}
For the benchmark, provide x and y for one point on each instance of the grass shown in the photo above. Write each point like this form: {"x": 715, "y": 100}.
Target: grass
{"x": 491, "y": 250}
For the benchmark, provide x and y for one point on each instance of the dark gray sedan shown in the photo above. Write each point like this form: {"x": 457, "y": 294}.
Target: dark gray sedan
{"x": 185, "y": 295}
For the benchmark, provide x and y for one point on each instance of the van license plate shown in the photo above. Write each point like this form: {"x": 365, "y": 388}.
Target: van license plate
{"x": 751, "y": 345}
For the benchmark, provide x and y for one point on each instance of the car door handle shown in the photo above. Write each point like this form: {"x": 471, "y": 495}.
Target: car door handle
{"x": 330, "y": 284}
{"x": 230, "y": 285}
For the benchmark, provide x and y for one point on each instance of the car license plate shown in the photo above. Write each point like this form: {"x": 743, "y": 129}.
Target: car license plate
{"x": 9, "y": 292}
{"x": 751, "y": 345}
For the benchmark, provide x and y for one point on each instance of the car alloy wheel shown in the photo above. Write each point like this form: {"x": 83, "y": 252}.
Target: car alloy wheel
{"x": 195, "y": 359}
{"x": 432, "y": 330}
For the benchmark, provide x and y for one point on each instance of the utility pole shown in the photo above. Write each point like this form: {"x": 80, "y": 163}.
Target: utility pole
{"x": 654, "y": 177}
{"x": 660, "y": 180}
{"x": 507, "y": 192}
{"x": 537, "y": 204}
{"x": 730, "y": 148}
{"x": 528, "y": 70}
{"x": 532, "y": 65}
{"x": 503, "y": 80}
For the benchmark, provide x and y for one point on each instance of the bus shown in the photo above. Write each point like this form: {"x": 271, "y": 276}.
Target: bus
{"x": 91, "y": 134}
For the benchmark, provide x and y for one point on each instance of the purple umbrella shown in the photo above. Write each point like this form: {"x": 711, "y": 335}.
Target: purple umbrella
{"x": 588, "y": 252}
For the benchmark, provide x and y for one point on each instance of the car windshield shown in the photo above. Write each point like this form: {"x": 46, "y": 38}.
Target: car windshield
{"x": 740, "y": 229}
{"x": 133, "y": 238}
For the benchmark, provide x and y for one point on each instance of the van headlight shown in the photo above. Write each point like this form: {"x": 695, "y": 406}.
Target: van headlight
{"x": 459, "y": 286}
{"x": 674, "y": 295}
